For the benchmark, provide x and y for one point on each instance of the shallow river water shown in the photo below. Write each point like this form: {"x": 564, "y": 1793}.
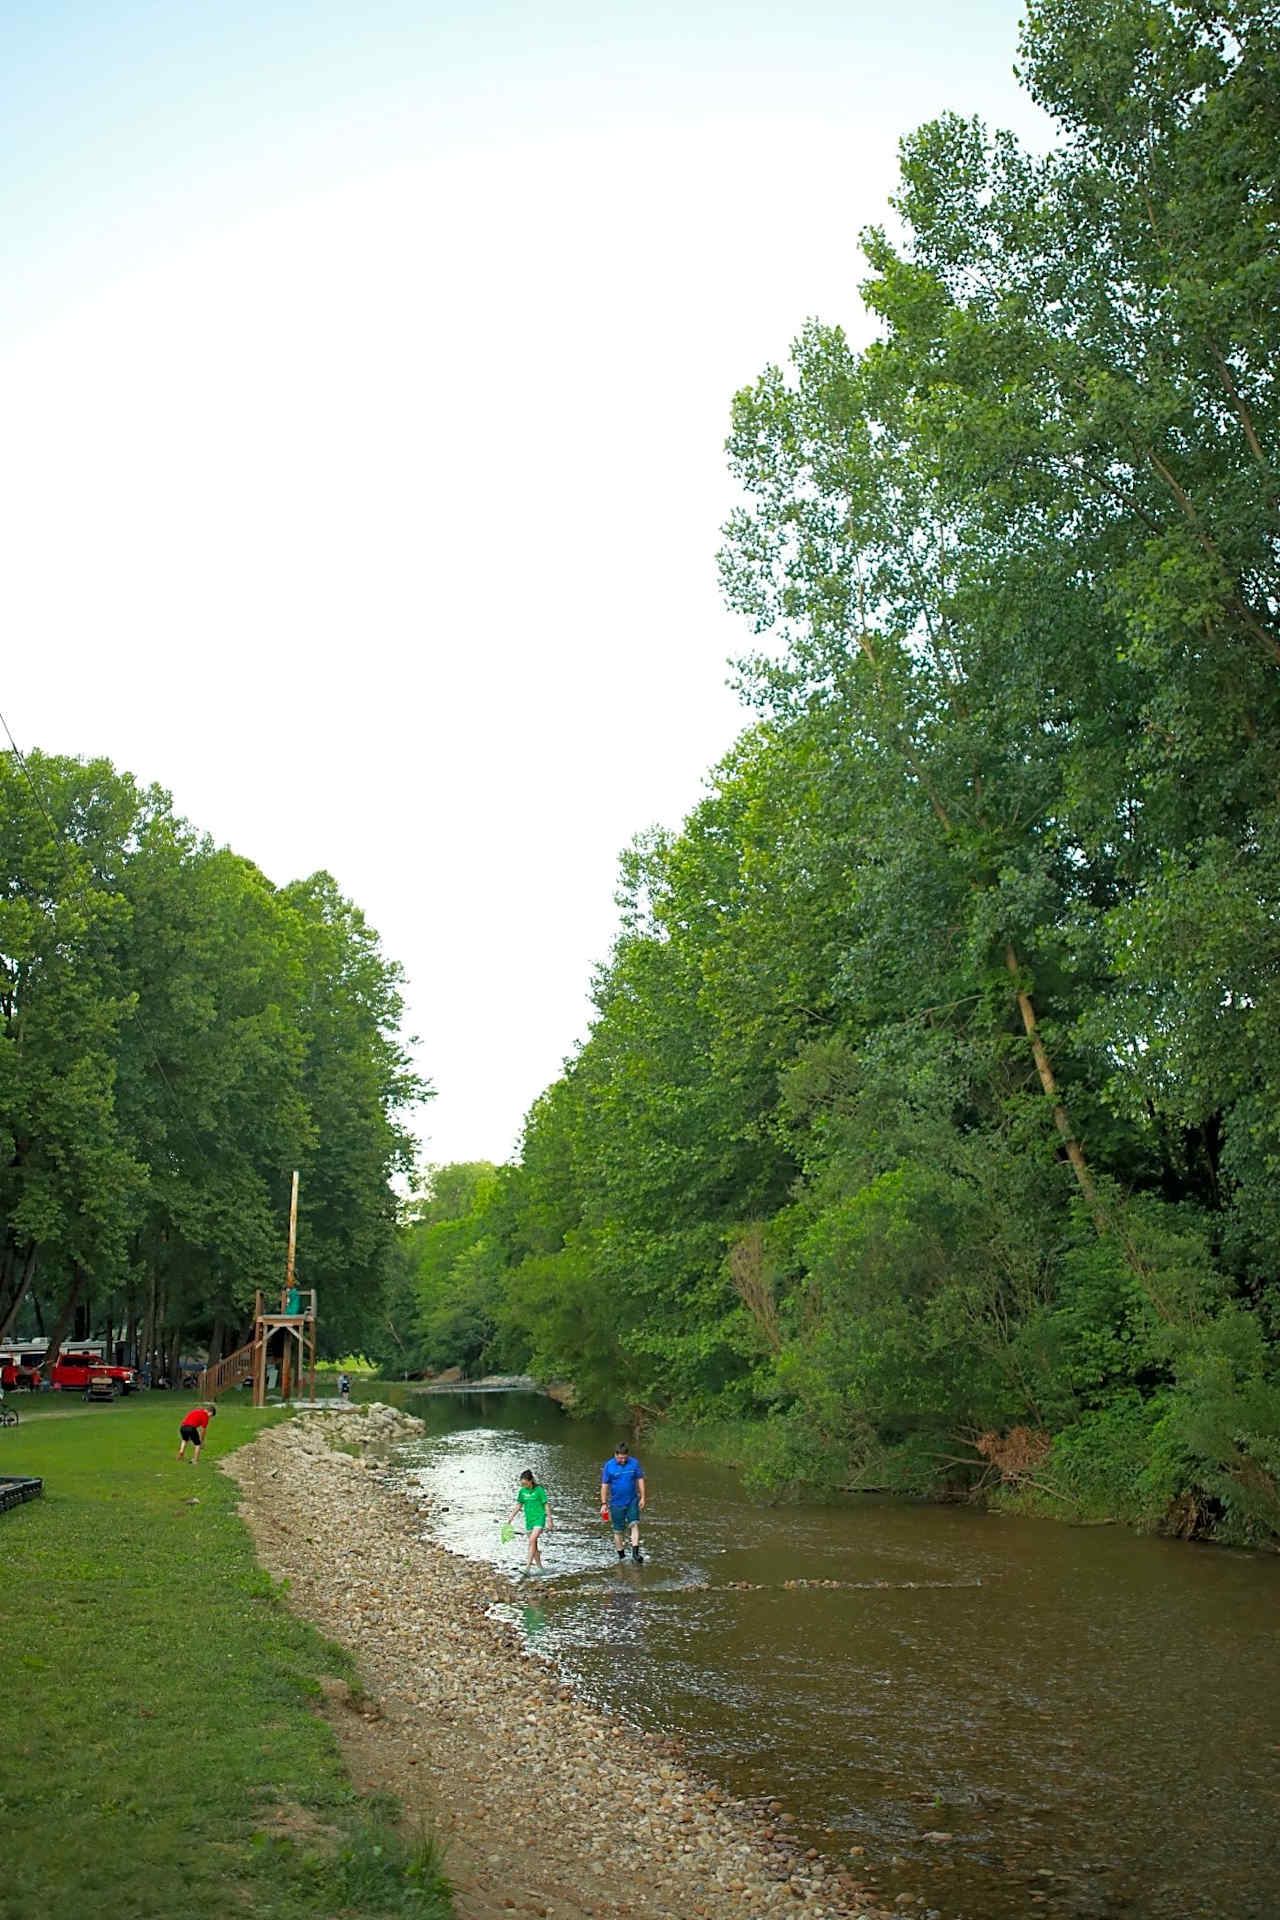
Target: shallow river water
{"x": 1007, "y": 1717}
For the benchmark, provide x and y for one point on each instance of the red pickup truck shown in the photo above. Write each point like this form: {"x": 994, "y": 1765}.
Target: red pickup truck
{"x": 71, "y": 1371}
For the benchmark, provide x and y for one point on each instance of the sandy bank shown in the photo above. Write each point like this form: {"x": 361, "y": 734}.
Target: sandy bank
{"x": 544, "y": 1805}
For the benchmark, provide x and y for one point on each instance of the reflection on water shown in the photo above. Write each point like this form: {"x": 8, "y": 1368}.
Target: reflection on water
{"x": 533, "y": 1623}
{"x": 1026, "y": 1718}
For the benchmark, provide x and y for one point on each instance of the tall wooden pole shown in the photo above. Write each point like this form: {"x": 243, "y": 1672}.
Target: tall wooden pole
{"x": 260, "y": 1353}
{"x": 286, "y": 1358}
{"x": 293, "y": 1228}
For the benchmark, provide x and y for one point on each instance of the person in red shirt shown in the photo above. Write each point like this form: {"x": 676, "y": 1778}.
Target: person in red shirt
{"x": 193, "y": 1429}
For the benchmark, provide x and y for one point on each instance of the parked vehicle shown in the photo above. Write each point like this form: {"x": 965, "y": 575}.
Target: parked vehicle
{"x": 16, "y": 1373}
{"x": 71, "y": 1370}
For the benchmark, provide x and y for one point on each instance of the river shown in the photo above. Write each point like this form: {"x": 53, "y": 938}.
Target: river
{"x": 1003, "y": 1717}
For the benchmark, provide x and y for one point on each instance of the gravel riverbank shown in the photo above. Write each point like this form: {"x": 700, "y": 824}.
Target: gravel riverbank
{"x": 544, "y": 1805}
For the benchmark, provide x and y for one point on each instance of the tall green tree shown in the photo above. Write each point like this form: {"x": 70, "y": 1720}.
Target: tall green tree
{"x": 71, "y": 1182}
{"x": 355, "y": 1086}
{"x": 210, "y": 1071}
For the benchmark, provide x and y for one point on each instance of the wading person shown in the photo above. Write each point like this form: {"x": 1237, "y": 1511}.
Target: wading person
{"x": 531, "y": 1500}
{"x": 622, "y": 1499}
{"x": 193, "y": 1429}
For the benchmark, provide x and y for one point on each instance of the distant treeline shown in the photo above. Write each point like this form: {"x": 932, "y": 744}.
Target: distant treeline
{"x": 928, "y": 1130}
{"x": 176, "y": 1036}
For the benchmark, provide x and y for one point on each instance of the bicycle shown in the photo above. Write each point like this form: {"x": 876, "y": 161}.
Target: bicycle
{"x": 8, "y": 1417}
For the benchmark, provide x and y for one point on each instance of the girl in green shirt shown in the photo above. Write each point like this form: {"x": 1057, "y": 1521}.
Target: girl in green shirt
{"x": 532, "y": 1501}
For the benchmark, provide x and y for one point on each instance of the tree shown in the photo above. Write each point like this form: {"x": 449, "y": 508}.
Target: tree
{"x": 71, "y": 1184}
{"x": 355, "y": 1085}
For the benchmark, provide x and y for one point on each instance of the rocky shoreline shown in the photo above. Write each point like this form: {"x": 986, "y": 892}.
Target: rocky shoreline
{"x": 542, "y": 1804}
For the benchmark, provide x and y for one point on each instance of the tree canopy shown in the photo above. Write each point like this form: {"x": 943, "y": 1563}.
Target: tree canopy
{"x": 176, "y": 1036}
{"x": 928, "y": 1119}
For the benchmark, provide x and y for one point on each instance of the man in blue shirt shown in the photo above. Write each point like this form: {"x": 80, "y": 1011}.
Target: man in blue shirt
{"x": 622, "y": 1499}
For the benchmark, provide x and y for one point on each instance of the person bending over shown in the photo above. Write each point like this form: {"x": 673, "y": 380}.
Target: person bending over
{"x": 622, "y": 1499}
{"x": 193, "y": 1429}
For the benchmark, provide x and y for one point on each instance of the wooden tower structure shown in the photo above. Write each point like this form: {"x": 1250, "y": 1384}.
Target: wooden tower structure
{"x": 289, "y": 1329}
{"x": 292, "y": 1329}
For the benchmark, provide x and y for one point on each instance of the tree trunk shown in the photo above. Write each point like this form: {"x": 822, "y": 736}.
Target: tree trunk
{"x": 749, "y": 1269}
{"x": 1061, "y": 1119}
{"x": 149, "y": 1325}
{"x": 66, "y": 1312}
{"x": 19, "y": 1272}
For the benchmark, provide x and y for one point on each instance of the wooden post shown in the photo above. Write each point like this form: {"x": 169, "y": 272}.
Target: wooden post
{"x": 286, "y": 1356}
{"x": 260, "y": 1357}
{"x": 293, "y": 1229}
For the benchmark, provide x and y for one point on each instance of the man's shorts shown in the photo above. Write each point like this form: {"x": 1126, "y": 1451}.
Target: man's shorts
{"x": 620, "y": 1518}
{"x": 191, "y": 1433}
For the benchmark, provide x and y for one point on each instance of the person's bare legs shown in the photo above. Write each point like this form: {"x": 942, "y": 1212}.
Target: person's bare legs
{"x": 535, "y": 1547}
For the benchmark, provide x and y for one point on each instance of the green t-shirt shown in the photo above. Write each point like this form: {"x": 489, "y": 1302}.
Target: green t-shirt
{"x": 534, "y": 1502}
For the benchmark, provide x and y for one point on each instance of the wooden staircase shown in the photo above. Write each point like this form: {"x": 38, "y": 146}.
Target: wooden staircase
{"x": 292, "y": 1331}
{"x": 230, "y": 1372}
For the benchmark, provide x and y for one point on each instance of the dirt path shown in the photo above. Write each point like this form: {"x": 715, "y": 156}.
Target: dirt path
{"x": 544, "y": 1806}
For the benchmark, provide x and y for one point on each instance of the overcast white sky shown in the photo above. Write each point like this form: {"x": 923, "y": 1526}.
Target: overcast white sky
{"x": 366, "y": 377}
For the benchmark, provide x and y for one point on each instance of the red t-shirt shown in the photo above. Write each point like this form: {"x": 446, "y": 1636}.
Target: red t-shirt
{"x": 197, "y": 1418}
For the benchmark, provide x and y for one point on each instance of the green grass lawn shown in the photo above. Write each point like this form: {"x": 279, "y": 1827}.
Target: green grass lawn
{"x": 160, "y": 1747}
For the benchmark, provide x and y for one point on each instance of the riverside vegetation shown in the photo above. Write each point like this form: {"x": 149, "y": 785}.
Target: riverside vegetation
{"x": 927, "y": 1131}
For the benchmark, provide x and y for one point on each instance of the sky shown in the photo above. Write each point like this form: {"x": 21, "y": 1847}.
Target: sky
{"x": 366, "y": 373}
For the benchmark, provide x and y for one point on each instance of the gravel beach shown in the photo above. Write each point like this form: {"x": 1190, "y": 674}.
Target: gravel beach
{"x": 543, "y": 1805}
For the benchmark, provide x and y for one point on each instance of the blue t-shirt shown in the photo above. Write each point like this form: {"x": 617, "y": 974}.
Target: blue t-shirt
{"x": 620, "y": 1476}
